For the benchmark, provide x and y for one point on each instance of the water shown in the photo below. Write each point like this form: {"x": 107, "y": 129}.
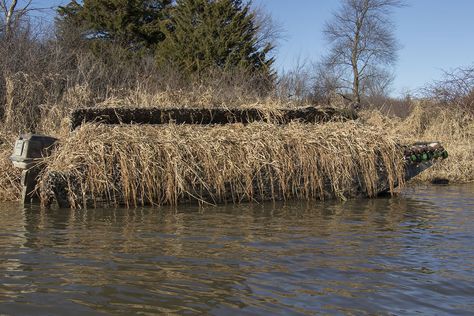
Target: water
{"x": 404, "y": 255}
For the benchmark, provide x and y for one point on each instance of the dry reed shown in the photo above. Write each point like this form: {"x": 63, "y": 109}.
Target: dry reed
{"x": 10, "y": 189}
{"x": 454, "y": 128}
{"x": 168, "y": 164}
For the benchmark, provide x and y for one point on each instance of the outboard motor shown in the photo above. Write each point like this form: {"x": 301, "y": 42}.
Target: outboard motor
{"x": 28, "y": 151}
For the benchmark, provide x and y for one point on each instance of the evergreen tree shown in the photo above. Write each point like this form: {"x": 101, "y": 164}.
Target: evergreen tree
{"x": 131, "y": 24}
{"x": 203, "y": 35}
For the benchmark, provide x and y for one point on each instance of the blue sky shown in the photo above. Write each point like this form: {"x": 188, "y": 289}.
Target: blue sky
{"x": 434, "y": 34}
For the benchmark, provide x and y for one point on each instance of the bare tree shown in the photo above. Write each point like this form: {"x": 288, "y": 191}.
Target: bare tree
{"x": 378, "y": 83}
{"x": 455, "y": 88}
{"x": 327, "y": 82}
{"x": 12, "y": 14}
{"x": 270, "y": 31}
{"x": 362, "y": 40}
{"x": 295, "y": 84}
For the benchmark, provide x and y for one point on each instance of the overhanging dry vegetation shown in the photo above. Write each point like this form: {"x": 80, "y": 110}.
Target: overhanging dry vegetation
{"x": 453, "y": 127}
{"x": 230, "y": 163}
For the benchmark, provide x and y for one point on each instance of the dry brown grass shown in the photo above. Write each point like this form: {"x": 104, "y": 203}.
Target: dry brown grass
{"x": 9, "y": 176}
{"x": 277, "y": 151}
{"x": 454, "y": 128}
{"x": 197, "y": 96}
{"x": 174, "y": 163}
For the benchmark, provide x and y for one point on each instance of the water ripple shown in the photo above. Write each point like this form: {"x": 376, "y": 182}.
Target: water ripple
{"x": 412, "y": 253}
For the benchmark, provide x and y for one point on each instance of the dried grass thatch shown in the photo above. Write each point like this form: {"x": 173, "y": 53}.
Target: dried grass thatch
{"x": 169, "y": 164}
{"x": 454, "y": 128}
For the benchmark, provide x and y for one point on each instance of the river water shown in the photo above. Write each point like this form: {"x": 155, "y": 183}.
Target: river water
{"x": 413, "y": 253}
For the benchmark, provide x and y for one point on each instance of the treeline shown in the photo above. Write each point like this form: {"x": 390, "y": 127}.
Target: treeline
{"x": 200, "y": 52}
{"x": 110, "y": 47}
{"x": 193, "y": 37}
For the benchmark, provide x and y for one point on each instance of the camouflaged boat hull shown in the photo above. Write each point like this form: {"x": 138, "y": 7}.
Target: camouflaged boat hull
{"x": 417, "y": 158}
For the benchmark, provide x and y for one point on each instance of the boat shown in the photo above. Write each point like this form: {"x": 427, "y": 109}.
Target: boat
{"x": 57, "y": 186}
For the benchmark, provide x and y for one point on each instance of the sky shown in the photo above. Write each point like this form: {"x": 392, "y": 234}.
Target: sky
{"x": 435, "y": 35}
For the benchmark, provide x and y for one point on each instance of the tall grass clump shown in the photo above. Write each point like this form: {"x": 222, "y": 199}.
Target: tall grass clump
{"x": 168, "y": 164}
{"x": 453, "y": 127}
{"x": 9, "y": 176}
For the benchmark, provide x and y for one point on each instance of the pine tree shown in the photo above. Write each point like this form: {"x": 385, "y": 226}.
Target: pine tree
{"x": 131, "y": 24}
{"x": 207, "y": 34}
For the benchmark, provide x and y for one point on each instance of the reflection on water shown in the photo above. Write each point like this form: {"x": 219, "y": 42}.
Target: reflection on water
{"x": 401, "y": 255}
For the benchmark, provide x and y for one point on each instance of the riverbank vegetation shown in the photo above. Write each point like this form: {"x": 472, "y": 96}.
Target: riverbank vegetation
{"x": 232, "y": 154}
{"x": 127, "y": 61}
